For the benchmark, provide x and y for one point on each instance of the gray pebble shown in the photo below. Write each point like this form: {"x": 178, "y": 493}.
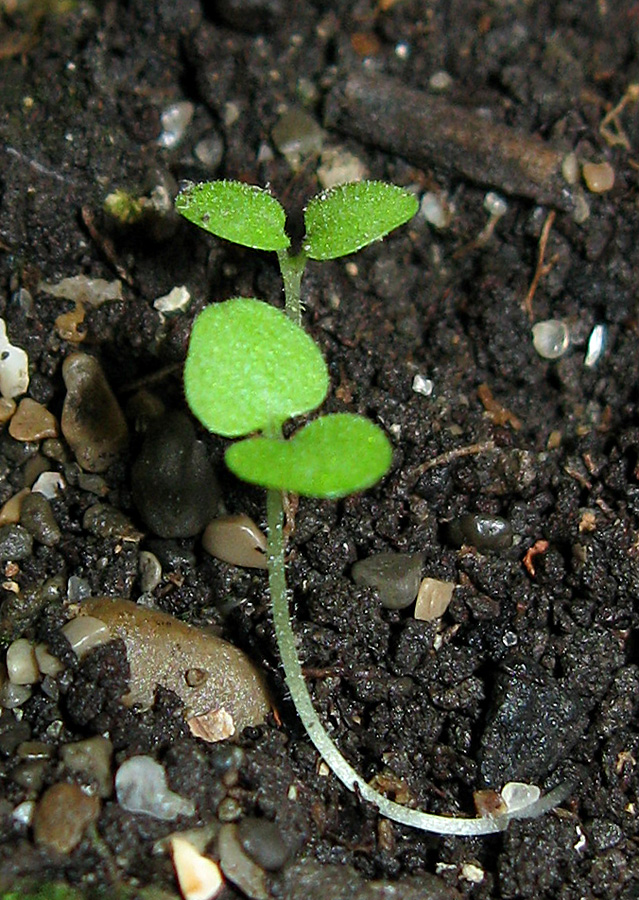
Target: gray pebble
{"x": 174, "y": 485}
{"x": 37, "y": 517}
{"x": 396, "y": 577}
{"x": 106, "y": 521}
{"x": 92, "y": 422}
{"x": 15, "y": 542}
{"x": 263, "y": 842}
{"x": 482, "y": 531}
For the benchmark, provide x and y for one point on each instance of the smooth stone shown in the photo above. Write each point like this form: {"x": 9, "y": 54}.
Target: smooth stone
{"x": 433, "y": 599}
{"x": 486, "y": 533}
{"x": 37, "y": 517}
{"x": 174, "y": 485}
{"x": 62, "y": 815}
{"x": 236, "y": 540}
{"x": 162, "y": 650}
{"x": 238, "y": 867}
{"x": 32, "y": 422}
{"x": 92, "y": 422}
{"x": 396, "y": 577}
{"x": 263, "y": 842}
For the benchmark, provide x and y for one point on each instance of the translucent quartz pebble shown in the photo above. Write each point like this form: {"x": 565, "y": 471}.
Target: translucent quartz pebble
{"x": 518, "y": 795}
{"x": 140, "y": 786}
{"x": 551, "y": 338}
{"x": 596, "y": 345}
{"x": 395, "y": 575}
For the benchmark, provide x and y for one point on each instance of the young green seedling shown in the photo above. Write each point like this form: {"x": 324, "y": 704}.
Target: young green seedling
{"x": 251, "y": 367}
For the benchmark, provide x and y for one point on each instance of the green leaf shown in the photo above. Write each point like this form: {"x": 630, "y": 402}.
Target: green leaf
{"x": 249, "y": 367}
{"x": 331, "y": 457}
{"x": 351, "y": 216}
{"x": 242, "y": 213}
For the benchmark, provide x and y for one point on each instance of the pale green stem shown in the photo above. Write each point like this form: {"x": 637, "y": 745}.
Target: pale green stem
{"x": 292, "y": 269}
{"x": 326, "y": 746}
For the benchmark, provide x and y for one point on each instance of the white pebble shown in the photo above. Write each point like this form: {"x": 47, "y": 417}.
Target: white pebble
{"x": 175, "y": 301}
{"x": 22, "y": 666}
{"x": 551, "y": 338}
{"x": 435, "y": 210}
{"x": 339, "y": 166}
{"x": 596, "y": 344}
{"x": 14, "y": 695}
{"x": 495, "y": 205}
{"x": 422, "y": 385}
{"x": 473, "y": 873}
{"x": 84, "y": 633}
{"x": 47, "y": 662}
{"x": 518, "y": 795}
{"x": 199, "y": 877}
{"x": 14, "y": 366}
{"x": 433, "y": 599}
{"x": 23, "y": 813}
{"x": 175, "y": 120}
{"x": 140, "y": 786}
{"x": 440, "y": 81}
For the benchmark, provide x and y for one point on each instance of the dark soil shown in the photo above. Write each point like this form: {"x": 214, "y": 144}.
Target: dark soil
{"x": 533, "y": 674}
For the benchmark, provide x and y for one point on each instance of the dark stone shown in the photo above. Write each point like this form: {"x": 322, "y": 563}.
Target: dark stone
{"x": 487, "y": 533}
{"x": 174, "y": 485}
{"x": 251, "y": 16}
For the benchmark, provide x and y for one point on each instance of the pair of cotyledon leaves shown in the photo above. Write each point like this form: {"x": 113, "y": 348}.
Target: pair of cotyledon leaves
{"x": 250, "y": 368}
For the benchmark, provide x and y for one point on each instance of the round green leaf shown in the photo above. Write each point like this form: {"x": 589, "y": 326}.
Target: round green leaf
{"x": 242, "y": 213}
{"x": 331, "y": 457}
{"x": 249, "y": 367}
{"x": 350, "y": 216}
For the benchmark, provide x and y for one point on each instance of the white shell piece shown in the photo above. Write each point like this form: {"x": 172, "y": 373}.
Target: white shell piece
{"x": 422, "y": 385}
{"x": 518, "y": 795}
{"x": 14, "y": 366}
{"x": 92, "y": 291}
{"x": 596, "y": 345}
{"x": 49, "y": 484}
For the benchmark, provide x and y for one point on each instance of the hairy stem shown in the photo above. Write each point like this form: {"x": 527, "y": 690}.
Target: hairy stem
{"x": 325, "y": 744}
{"x": 292, "y": 269}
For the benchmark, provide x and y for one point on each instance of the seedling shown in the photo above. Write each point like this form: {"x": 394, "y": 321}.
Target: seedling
{"x": 251, "y": 367}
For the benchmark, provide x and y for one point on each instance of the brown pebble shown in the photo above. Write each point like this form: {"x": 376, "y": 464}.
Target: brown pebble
{"x": 7, "y": 409}
{"x": 62, "y": 815}
{"x": 599, "y": 177}
{"x": 70, "y": 325}
{"x": 92, "y": 422}
{"x": 32, "y": 422}
{"x": 236, "y": 540}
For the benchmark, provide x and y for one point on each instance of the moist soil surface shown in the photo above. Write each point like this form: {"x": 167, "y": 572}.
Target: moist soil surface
{"x": 532, "y": 672}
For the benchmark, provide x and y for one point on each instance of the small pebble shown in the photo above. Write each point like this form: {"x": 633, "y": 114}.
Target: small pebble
{"x": 141, "y": 787}
{"x": 30, "y": 776}
{"x": 396, "y": 577}
{"x": 62, "y": 815}
{"x": 14, "y": 367}
{"x": 435, "y": 209}
{"x": 238, "y": 867}
{"x": 92, "y": 757}
{"x": 92, "y": 422}
{"x": 263, "y": 842}
{"x": 47, "y": 663}
{"x": 175, "y": 120}
{"x": 84, "y": 633}
{"x": 10, "y": 512}
{"x": 37, "y": 517}
{"x": 31, "y": 750}
{"x": 32, "y": 422}
{"x": 15, "y": 543}
{"x": 7, "y": 409}
{"x": 13, "y": 696}
{"x": 23, "y": 813}
{"x": 150, "y": 570}
{"x": 596, "y": 345}
{"x": 175, "y": 301}
{"x": 174, "y": 486}
{"x": 481, "y": 531}
{"x": 209, "y": 151}
{"x": 433, "y": 599}
{"x": 49, "y": 484}
{"x": 106, "y": 521}
{"x": 236, "y": 540}
{"x": 22, "y": 666}
{"x": 551, "y": 338}
{"x": 517, "y": 795}
{"x": 70, "y": 325}
{"x": 339, "y": 166}
{"x": 14, "y": 732}
{"x": 296, "y": 135}
{"x": 199, "y": 877}
{"x": 422, "y": 385}
{"x": 229, "y": 810}
{"x": 81, "y": 289}
{"x": 599, "y": 177}
{"x": 213, "y": 726}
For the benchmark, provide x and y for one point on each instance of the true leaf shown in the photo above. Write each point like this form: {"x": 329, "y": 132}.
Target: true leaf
{"x": 242, "y": 213}
{"x": 331, "y": 457}
{"x": 249, "y": 367}
{"x": 345, "y": 218}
